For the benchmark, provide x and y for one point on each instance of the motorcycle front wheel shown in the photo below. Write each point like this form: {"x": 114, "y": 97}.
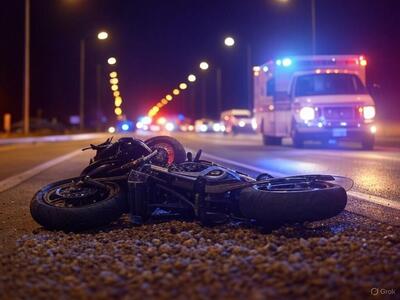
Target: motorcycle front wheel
{"x": 292, "y": 202}
{"x": 73, "y": 205}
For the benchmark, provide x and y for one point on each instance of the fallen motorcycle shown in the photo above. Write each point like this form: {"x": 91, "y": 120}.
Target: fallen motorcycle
{"x": 158, "y": 179}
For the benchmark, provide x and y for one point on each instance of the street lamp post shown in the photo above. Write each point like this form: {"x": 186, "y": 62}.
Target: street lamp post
{"x": 203, "y": 66}
{"x": 82, "y": 85}
{"x": 313, "y": 28}
{"x": 98, "y": 97}
{"x": 218, "y": 82}
{"x": 313, "y": 25}
{"x": 82, "y": 60}
{"x": 230, "y": 42}
{"x": 26, "y": 104}
{"x": 249, "y": 77}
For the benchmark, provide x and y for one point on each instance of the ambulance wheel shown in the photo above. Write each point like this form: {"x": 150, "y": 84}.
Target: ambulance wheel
{"x": 298, "y": 140}
{"x": 271, "y": 140}
{"x": 368, "y": 143}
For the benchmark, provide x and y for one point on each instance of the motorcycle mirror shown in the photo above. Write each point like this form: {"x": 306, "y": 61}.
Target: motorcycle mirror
{"x": 198, "y": 154}
{"x": 189, "y": 156}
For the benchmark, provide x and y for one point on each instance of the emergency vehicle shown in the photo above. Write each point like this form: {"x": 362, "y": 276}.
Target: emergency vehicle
{"x": 238, "y": 120}
{"x": 321, "y": 97}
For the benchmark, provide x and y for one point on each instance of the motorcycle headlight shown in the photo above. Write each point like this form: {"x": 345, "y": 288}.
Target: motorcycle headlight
{"x": 307, "y": 113}
{"x": 369, "y": 112}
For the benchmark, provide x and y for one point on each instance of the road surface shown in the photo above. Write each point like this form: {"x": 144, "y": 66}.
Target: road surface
{"x": 365, "y": 233}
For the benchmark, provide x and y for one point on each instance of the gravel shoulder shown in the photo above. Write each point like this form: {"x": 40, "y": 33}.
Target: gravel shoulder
{"x": 344, "y": 257}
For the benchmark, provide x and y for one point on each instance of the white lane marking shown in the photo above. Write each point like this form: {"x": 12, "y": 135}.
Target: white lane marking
{"x": 362, "y": 196}
{"x": 21, "y": 177}
{"x": 52, "y": 138}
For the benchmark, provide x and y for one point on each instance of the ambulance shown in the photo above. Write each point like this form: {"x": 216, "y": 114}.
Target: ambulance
{"x": 321, "y": 97}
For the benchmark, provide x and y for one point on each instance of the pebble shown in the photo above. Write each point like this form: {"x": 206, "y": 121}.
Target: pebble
{"x": 182, "y": 260}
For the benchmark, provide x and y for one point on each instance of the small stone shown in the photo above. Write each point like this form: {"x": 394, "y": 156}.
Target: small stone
{"x": 304, "y": 243}
{"x": 322, "y": 241}
{"x": 271, "y": 246}
{"x": 156, "y": 242}
{"x": 165, "y": 249}
{"x": 295, "y": 257}
{"x": 190, "y": 242}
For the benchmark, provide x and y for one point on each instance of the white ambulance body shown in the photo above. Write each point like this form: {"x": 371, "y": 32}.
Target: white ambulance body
{"x": 314, "y": 98}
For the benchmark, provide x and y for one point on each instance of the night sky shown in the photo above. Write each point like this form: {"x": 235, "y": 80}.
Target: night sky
{"x": 158, "y": 43}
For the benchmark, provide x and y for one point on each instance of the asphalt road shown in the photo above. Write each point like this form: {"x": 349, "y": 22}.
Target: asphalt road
{"x": 349, "y": 240}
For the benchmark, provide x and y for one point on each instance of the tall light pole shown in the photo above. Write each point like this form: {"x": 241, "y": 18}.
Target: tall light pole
{"x": 313, "y": 28}
{"x": 82, "y": 59}
{"x": 204, "y": 67}
{"x": 27, "y": 68}
{"x": 313, "y": 25}
{"x": 82, "y": 85}
{"x": 230, "y": 42}
{"x": 249, "y": 77}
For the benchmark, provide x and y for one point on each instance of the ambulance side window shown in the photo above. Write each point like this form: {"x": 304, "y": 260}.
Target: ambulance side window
{"x": 271, "y": 87}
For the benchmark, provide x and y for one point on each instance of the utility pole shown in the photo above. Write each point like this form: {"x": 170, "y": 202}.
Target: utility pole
{"x": 98, "y": 97}
{"x": 27, "y": 68}
{"x": 249, "y": 78}
{"x": 82, "y": 86}
{"x": 219, "y": 89}
{"x": 313, "y": 28}
{"x": 203, "y": 97}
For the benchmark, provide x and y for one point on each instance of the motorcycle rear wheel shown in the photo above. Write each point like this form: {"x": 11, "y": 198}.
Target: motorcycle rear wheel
{"x": 292, "y": 204}
{"x": 62, "y": 206}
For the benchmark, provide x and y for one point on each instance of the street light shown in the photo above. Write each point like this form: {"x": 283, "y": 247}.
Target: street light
{"x": 176, "y": 92}
{"x": 118, "y": 111}
{"x": 112, "y": 61}
{"x": 191, "y": 78}
{"x": 82, "y": 57}
{"x": 102, "y": 35}
{"x": 183, "y": 86}
{"x": 113, "y": 74}
{"x": 114, "y": 80}
{"x": 229, "y": 41}
{"x": 204, "y": 65}
{"x": 118, "y": 101}
{"x": 168, "y": 97}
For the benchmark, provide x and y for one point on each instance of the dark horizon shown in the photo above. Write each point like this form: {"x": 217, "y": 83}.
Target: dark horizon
{"x": 158, "y": 44}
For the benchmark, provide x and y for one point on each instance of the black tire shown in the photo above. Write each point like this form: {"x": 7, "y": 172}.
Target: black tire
{"x": 179, "y": 150}
{"x": 279, "y": 207}
{"x": 77, "y": 218}
{"x": 368, "y": 143}
{"x": 298, "y": 140}
{"x": 272, "y": 140}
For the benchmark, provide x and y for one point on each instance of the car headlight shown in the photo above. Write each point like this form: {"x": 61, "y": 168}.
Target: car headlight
{"x": 254, "y": 123}
{"x": 369, "y": 112}
{"x": 203, "y": 128}
{"x": 170, "y": 126}
{"x": 216, "y": 127}
{"x": 307, "y": 113}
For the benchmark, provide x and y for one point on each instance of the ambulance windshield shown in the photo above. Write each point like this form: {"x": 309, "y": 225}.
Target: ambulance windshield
{"x": 328, "y": 84}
